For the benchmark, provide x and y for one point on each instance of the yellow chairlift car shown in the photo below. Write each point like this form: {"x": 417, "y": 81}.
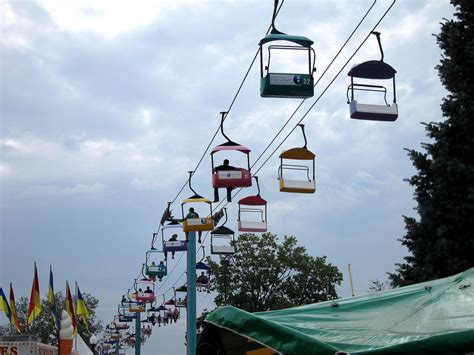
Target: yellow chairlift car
{"x": 304, "y": 182}
{"x": 192, "y": 221}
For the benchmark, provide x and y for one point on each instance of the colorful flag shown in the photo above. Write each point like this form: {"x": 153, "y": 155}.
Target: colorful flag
{"x": 81, "y": 309}
{"x": 4, "y": 305}
{"x": 14, "y": 315}
{"x": 52, "y": 300}
{"x": 70, "y": 308}
{"x": 35, "y": 300}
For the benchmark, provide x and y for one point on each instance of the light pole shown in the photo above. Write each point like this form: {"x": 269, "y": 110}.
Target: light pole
{"x": 93, "y": 341}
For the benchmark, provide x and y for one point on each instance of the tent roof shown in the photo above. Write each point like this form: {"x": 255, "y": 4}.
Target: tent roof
{"x": 430, "y": 317}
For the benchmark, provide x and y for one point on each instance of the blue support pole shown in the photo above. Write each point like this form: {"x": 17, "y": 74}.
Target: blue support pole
{"x": 138, "y": 333}
{"x": 191, "y": 295}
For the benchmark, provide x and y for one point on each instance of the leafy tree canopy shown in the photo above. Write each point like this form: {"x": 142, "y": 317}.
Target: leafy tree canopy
{"x": 265, "y": 274}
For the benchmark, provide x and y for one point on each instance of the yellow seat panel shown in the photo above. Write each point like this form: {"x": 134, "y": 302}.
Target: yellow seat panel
{"x": 198, "y": 224}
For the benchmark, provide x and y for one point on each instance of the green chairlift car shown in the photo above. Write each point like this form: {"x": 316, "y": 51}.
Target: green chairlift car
{"x": 293, "y": 85}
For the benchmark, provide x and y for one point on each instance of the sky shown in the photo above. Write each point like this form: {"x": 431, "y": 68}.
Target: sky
{"x": 106, "y": 105}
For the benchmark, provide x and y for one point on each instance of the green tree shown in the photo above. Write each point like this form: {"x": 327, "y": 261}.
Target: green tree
{"x": 441, "y": 241}
{"x": 43, "y": 326}
{"x": 264, "y": 275}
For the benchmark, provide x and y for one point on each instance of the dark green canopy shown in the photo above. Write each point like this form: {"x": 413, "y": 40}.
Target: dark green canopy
{"x": 301, "y": 40}
{"x": 426, "y": 318}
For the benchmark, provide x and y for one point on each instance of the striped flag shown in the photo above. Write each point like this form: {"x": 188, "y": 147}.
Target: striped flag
{"x": 70, "y": 308}
{"x": 52, "y": 300}
{"x": 4, "y": 305}
{"x": 14, "y": 315}
{"x": 35, "y": 300}
{"x": 81, "y": 309}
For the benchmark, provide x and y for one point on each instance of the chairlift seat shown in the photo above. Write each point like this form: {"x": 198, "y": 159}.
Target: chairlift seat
{"x": 180, "y": 304}
{"x": 136, "y": 309}
{"x": 299, "y": 186}
{"x": 373, "y": 112}
{"x": 145, "y": 296}
{"x": 198, "y": 224}
{"x": 178, "y": 245}
{"x": 286, "y": 85}
{"x": 249, "y": 226}
{"x": 222, "y": 249}
{"x": 237, "y": 177}
{"x": 157, "y": 271}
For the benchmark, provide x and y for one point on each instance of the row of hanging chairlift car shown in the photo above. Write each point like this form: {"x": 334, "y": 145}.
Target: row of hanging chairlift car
{"x": 298, "y": 161}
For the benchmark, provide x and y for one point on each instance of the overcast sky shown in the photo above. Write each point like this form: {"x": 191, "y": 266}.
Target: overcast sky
{"x": 106, "y": 105}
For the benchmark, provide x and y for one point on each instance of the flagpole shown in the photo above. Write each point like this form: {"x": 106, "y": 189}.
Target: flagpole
{"x": 77, "y": 324}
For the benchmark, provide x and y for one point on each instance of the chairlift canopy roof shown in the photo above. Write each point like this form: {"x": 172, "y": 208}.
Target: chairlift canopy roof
{"x": 372, "y": 69}
{"x": 196, "y": 198}
{"x": 297, "y": 154}
{"x": 230, "y": 146}
{"x": 301, "y": 40}
{"x": 253, "y": 201}
{"x": 182, "y": 289}
{"x": 222, "y": 230}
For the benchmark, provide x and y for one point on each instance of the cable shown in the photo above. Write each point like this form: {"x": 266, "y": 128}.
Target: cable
{"x": 302, "y": 118}
{"x": 228, "y": 110}
{"x": 301, "y": 103}
{"x": 316, "y": 101}
{"x": 327, "y": 87}
{"x": 215, "y": 134}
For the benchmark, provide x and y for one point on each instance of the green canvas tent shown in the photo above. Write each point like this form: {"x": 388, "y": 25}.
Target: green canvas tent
{"x": 435, "y": 317}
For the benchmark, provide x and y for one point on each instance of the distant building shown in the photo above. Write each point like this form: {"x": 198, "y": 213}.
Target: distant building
{"x": 26, "y": 345}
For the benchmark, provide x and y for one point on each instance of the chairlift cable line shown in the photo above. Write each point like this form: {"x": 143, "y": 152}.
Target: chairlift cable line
{"x": 276, "y": 12}
{"x": 326, "y": 88}
{"x": 301, "y": 103}
{"x": 228, "y": 110}
{"x": 316, "y": 83}
{"x": 302, "y": 118}
{"x": 319, "y": 97}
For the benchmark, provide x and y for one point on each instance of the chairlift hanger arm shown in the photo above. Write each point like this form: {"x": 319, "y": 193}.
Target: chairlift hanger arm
{"x": 275, "y": 12}
{"x": 377, "y": 34}
{"x": 304, "y": 135}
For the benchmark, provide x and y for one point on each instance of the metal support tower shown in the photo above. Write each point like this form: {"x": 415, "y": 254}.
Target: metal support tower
{"x": 138, "y": 333}
{"x": 191, "y": 295}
